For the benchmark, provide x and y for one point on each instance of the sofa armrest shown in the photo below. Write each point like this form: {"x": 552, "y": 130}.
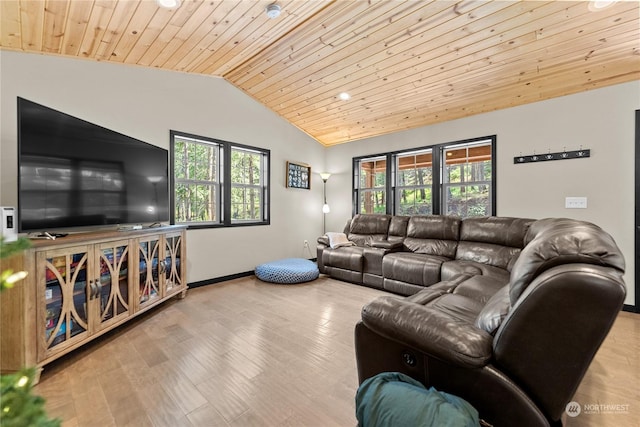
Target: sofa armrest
{"x": 385, "y": 244}
{"x": 429, "y": 330}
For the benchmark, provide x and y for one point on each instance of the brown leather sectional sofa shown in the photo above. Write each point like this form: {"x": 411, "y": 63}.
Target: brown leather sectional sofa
{"x": 506, "y": 313}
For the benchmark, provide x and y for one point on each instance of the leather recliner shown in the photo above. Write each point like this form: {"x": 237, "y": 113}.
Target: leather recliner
{"x": 516, "y": 351}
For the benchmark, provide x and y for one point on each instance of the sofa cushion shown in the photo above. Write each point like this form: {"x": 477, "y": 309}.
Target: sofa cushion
{"x": 480, "y": 288}
{"x": 446, "y": 248}
{"x": 347, "y": 258}
{"x": 364, "y": 229}
{"x": 562, "y": 241}
{"x": 486, "y": 253}
{"x": 434, "y": 227}
{"x": 503, "y": 231}
{"x": 454, "y": 268}
{"x": 494, "y": 312}
{"x": 373, "y": 260}
{"x": 418, "y": 269}
{"x": 400, "y": 287}
{"x": 458, "y": 307}
{"x": 398, "y": 228}
{"x": 395, "y": 399}
{"x": 433, "y": 235}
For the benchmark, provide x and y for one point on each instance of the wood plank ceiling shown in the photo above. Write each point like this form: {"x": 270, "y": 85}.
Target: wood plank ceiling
{"x": 405, "y": 63}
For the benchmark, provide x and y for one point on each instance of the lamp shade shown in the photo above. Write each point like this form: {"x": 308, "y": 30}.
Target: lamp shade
{"x": 325, "y": 175}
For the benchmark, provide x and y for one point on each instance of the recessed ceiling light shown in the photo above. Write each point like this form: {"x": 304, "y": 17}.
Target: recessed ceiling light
{"x": 273, "y": 11}
{"x": 344, "y": 96}
{"x": 168, "y": 4}
{"x": 600, "y": 4}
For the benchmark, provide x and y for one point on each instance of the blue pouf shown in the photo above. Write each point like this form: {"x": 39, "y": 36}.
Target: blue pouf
{"x": 290, "y": 270}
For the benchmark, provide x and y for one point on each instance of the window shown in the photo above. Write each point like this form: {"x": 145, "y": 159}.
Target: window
{"x": 371, "y": 176}
{"x": 200, "y": 196}
{"x": 414, "y": 183}
{"x": 467, "y": 180}
{"x": 452, "y": 179}
{"x": 246, "y": 184}
{"x": 196, "y": 187}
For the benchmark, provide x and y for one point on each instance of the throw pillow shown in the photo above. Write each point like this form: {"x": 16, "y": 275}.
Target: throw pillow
{"x": 393, "y": 399}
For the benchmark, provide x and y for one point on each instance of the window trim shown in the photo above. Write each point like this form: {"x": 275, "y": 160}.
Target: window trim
{"x": 437, "y": 187}
{"x": 224, "y": 175}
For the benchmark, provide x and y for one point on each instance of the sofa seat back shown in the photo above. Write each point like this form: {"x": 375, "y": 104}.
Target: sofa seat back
{"x": 555, "y": 241}
{"x": 433, "y": 235}
{"x": 398, "y": 229}
{"x": 495, "y": 241}
{"x": 365, "y": 229}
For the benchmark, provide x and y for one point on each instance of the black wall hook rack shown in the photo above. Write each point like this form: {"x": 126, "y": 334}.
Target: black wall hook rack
{"x": 562, "y": 155}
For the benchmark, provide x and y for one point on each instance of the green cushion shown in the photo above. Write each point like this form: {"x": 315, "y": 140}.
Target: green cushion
{"x": 395, "y": 399}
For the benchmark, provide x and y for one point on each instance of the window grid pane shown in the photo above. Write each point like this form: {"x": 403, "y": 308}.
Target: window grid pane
{"x": 467, "y": 178}
{"x": 195, "y": 202}
{"x": 468, "y": 200}
{"x": 373, "y": 202}
{"x": 246, "y": 203}
{"x": 245, "y": 167}
{"x": 195, "y": 160}
{"x": 197, "y": 187}
{"x": 414, "y": 183}
{"x": 246, "y": 185}
{"x": 373, "y": 173}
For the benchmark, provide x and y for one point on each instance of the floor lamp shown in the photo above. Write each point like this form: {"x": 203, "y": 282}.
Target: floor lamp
{"x": 325, "y": 207}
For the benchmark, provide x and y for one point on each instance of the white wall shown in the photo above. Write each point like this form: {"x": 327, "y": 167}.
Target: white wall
{"x": 601, "y": 120}
{"x": 145, "y": 104}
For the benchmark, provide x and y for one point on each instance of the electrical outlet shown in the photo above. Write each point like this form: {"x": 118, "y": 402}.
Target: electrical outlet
{"x": 306, "y": 243}
{"x": 575, "y": 202}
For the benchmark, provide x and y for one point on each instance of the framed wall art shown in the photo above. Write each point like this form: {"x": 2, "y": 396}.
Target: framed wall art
{"x": 298, "y": 175}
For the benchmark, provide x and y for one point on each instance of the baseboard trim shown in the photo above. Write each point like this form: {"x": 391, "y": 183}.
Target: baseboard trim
{"x": 220, "y": 279}
{"x": 225, "y": 278}
{"x": 631, "y": 308}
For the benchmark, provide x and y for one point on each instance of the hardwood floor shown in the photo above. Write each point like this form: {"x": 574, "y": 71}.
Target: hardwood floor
{"x": 245, "y": 353}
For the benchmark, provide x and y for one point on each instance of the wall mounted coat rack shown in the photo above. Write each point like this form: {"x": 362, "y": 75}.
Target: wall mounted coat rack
{"x": 563, "y": 155}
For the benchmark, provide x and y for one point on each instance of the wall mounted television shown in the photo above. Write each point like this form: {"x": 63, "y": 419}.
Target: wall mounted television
{"x": 73, "y": 173}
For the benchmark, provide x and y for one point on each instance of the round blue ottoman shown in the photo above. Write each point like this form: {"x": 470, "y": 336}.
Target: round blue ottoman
{"x": 290, "y": 270}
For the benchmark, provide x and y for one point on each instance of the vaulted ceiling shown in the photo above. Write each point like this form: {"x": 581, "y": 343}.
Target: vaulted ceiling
{"x": 405, "y": 64}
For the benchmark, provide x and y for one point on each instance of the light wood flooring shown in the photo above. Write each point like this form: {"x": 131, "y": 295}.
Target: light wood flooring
{"x": 247, "y": 353}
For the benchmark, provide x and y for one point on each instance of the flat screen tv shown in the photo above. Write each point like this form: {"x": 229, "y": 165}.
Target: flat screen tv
{"x": 73, "y": 173}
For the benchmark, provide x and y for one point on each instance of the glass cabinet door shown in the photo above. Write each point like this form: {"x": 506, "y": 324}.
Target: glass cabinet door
{"x": 149, "y": 269}
{"x": 113, "y": 282}
{"x": 172, "y": 263}
{"x": 66, "y": 295}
